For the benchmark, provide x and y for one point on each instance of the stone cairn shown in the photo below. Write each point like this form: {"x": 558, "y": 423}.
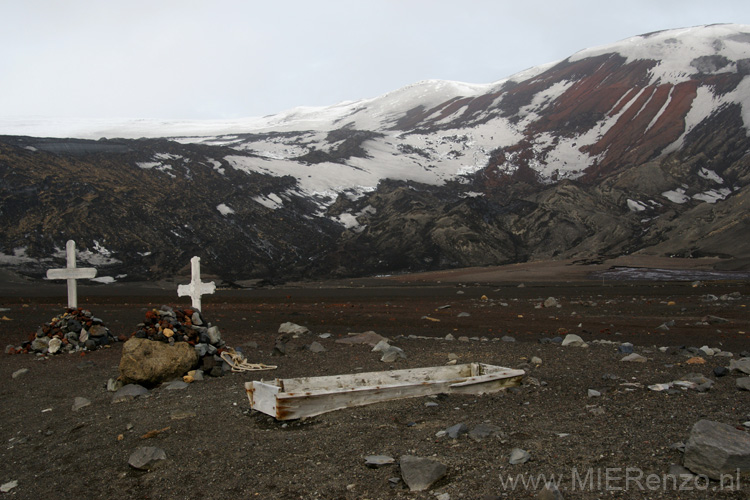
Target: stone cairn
{"x": 171, "y": 325}
{"x": 74, "y": 330}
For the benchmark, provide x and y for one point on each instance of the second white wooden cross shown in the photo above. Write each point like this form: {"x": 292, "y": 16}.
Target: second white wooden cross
{"x": 196, "y": 288}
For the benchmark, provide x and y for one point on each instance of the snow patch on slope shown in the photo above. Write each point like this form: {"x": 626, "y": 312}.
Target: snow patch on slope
{"x": 224, "y": 209}
{"x": 676, "y": 49}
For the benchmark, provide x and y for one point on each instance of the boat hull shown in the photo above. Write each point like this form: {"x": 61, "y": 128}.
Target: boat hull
{"x": 288, "y": 399}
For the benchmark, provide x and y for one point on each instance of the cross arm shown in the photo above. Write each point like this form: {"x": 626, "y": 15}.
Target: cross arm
{"x": 71, "y": 273}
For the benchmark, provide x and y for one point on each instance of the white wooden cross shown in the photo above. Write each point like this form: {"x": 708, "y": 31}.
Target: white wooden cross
{"x": 71, "y": 273}
{"x": 196, "y": 288}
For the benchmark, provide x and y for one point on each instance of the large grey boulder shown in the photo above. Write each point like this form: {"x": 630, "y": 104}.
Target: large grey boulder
{"x": 715, "y": 448}
{"x": 149, "y": 362}
{"x": 421, "y": 473}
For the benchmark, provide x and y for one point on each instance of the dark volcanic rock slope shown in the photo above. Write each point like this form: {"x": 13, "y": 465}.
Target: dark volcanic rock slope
{"x": 641, "y": 146}
{"x": 145, "y": 219}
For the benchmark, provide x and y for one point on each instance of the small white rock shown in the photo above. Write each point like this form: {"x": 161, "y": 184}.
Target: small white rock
{"x": 5, "y": 488}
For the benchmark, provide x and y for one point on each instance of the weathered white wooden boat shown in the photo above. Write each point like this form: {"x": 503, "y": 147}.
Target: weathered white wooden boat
{"x": 293, "y": 398}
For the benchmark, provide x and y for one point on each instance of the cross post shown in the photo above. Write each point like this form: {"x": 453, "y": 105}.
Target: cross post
{"x": 71, "y": 273}
{"x": 196, "y": 288}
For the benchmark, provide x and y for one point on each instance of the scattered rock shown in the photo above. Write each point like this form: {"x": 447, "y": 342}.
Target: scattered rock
{"x": 79, "y": 403}
{"x": 707, "y": 350}
{"x": 743, "y": 383}
{"x": 455, "y": 431}
{"x": 634, "y": 358}
{"x": 573, "y": 340}
{"x": 549, "y": 492}
{"x": 715, "y": 448}
{"x": 40, "y": 344}
{"x": 508, "y": 338}
{"x": 6, "y": 487}
{"x": 20, "y": 372}
{"x": 660, "y": 387}
{"x": 714, "y": 320}
{"x": 679, "y": 446}
{"x": 536, "y": 360}
{"x": 316, "y": 347}
{"x": 369, "y": 337}
{"x": 697, "y": 360}
{"x": 531, "y": 381}
{"x": 551, "y": 302}
{"x": 421, "y": 473}
{"x": 702, "y": 383}
{"x": 196, "y": 319}
{"x": 146, "y": 458}
{"x": 54, "y": 345}
{"x": 182, "y": 414}
{"x": 721, "y": 371}
{"x": 293, "y": 329}
{"x": 391, "y": 353}
{"x": 519, "y": 456}
{"x": 594, "y": 393}
{"x": 375, "y": 461}
{"x": 114, "y": 385}
{"x": 625, "y": 348}
{"x": 176, "y": 385}
{"x": 679, "y": 472}
{"x": 279, "y": 349}
{"x": 150, "y": 362}
{"x": 740, "y": 365}
{"x": 483, "y": 431}
{"x": 129, "y": 392}
{"x": 214, "y": 335}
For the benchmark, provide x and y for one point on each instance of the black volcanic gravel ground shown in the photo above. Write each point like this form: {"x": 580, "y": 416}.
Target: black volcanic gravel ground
{"x": 218, "y": 449}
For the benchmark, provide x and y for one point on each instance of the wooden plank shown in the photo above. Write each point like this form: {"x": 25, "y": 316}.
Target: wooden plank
{"x": 381, "y": 378}
{"x": 299, "y": 405}
{"x": 262, "y": 396}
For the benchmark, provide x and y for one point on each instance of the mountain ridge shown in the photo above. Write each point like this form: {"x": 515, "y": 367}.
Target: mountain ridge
{"x": 637, "y": 146}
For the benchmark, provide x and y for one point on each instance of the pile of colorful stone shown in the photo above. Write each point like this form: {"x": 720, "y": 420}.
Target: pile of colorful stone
{"x": 74, "y": 330}
{"x": 171, "y": 325}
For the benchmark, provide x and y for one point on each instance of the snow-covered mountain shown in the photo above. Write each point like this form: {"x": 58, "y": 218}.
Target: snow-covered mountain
{"x": 641, "y": 145}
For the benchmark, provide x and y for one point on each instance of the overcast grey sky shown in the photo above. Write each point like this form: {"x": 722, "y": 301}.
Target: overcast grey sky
{"x": 219, "y": 59}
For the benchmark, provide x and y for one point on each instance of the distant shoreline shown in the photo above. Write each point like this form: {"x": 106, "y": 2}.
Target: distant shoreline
{"x": 629, "y": 268}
